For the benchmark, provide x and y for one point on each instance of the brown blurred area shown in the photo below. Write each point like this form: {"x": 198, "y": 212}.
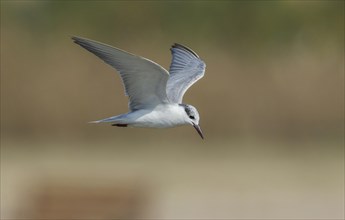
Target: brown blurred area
{"x": 271, "y": 106}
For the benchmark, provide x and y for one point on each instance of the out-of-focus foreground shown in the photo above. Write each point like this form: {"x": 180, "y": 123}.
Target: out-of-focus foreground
{"x": 271, "y": 105}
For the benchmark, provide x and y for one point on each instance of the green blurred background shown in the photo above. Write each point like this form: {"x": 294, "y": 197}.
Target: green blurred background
{"x": 271, "y": 106}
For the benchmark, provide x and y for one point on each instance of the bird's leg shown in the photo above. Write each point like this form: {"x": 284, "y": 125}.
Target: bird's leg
{"x": 120, "y": 125}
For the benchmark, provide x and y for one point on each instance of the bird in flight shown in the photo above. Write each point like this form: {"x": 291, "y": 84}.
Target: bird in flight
{"x": 155, "y": 95}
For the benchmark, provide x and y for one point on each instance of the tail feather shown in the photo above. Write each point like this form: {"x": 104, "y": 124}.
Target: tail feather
{"x": 94, "y": 122}
{"x": 116, "y": 119}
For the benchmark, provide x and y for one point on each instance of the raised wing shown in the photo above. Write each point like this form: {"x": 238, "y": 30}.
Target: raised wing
{"x": 144, "y": 81}
{"x": 186, "y": 68}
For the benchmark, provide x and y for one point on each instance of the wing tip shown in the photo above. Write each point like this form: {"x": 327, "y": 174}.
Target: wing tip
{"x": 81, "y": 41}
{"x": 182, "y": 47}
{"x": 78, "y": 40}
{"x": 75, "y": 38}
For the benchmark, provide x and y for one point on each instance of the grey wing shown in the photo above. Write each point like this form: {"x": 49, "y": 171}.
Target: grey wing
{"x": 186, "y": 68}
{"x": 144, "y": 81}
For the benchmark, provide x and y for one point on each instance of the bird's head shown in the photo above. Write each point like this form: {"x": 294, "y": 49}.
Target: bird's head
{"x": 192, "y": 117}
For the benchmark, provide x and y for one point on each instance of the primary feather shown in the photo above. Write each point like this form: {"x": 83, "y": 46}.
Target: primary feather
{"x": 144, "y": 81}
{"x": 186, "y": 68}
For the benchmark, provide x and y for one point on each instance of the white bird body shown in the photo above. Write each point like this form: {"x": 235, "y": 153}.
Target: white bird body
{"x": 155, "y": 95}
{"x": 152, "y": 118}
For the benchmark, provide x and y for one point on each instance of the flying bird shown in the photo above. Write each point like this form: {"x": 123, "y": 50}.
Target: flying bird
{"x": 155, "y": 95}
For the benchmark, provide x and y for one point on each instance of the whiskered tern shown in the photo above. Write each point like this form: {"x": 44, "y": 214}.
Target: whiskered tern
{"x": 155, "y": 95}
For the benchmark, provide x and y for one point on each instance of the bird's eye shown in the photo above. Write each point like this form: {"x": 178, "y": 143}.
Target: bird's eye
{"x": 191, "y": 117}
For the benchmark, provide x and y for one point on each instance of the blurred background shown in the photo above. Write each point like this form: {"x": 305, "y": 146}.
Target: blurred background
{"x": 271, "y": 106}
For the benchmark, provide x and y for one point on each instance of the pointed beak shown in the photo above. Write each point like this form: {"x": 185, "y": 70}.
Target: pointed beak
{"x": 198, "y": 129}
